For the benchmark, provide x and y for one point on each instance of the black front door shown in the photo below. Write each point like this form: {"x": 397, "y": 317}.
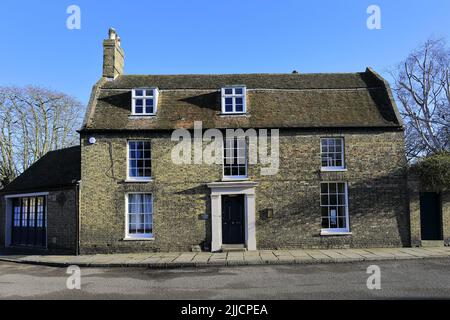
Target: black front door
{"x": 430, "y": 216}
{"x": 28, "y": 222}
{"x": 233, "y": 219}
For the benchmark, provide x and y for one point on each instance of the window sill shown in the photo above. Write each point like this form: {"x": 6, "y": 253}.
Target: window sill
{"x": 138, "y": 239}
{"x": 138, "y": 181}
{"x": 141, "y": 116}
{"x": 235, "y": 179}
{"x": 335, "y": 233}
{"x": 333, "y": 169}
{"x": 233, "y": 114}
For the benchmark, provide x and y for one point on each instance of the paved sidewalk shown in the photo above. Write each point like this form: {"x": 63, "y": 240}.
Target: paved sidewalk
{"x": 203, "y": 259}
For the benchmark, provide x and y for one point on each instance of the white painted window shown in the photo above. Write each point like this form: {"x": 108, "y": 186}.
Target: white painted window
{"x": 139, "y": 160}
{"x": 234, "y": 99}
{"x": 332, "y": 153}
{"x": 144, "y": 101}
{"x": 139, "y": 216}
{"x": 334, "y": 207}
{"x": 235, "y": 158}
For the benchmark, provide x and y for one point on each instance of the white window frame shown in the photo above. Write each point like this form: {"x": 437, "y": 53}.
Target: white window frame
{"x": 333, "y": 168}
{"x": 234, "y": 177}
{"x": 135, "y": 236}
{"x": 234, "y": 96}
{"x": 333, "y": 231}
{"x": 138, "y": 179}
{"x": 144, "y": 97}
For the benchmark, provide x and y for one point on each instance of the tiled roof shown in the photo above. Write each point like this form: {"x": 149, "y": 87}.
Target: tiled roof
{"x": 60, "y": 168}
{"x": 273, "y": 101}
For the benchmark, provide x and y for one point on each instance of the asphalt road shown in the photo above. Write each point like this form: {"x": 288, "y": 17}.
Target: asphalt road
{"x": 428, "y": 278}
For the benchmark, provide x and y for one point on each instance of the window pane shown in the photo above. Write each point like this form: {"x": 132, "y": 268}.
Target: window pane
{"x": 149, "y": 93}
{"x": 140, "y": 214}
{"x": 228, "y": 91}
{"x": 325, "y": 223}
{"x": 139, "y": 161}
{"x": 149, "y": 110}
{"x": 334, "y": 205}
{"x": 342, "y": 222}
{"x": 238, "y": 91}
{"x": 25, "y": 212}
{"x": 332, "y": 152}
{"x": 235, "y": 156}
{"x": 333, "y": 218}
{"x": 139, "y": 102}
{"x": 139, "y": 93}
{"x": 332, "y": 187}
{"x": 333, "y": 199}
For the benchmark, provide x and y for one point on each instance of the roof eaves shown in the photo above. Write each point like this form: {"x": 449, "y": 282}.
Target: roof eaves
{"x": 387, "y": 87}
{"x": 92, "y": 102}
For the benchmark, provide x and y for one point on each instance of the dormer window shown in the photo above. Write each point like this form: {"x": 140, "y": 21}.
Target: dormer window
{"x": 233, "y": 99}
{"x": 144, "y": 101}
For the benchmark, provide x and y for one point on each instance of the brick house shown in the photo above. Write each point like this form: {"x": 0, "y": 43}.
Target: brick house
{"x": 340, "y": 180}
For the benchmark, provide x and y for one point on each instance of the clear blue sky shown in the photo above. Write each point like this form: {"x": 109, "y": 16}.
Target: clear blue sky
{"x": 173, "y": 37}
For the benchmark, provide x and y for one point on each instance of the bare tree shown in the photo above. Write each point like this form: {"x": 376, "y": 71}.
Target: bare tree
{"x": 33, "y": 121}
{"x": 422, "y": 87}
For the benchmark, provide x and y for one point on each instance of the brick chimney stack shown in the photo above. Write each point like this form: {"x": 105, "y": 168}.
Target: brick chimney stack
{"x": 113, "y": 56}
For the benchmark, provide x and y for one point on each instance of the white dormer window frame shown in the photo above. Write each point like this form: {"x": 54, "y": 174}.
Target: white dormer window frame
{"x": 234, "y": 99}
{"x": 144, "y": 101}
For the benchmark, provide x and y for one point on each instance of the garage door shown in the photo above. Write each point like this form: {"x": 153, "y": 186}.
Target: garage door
{"x": 29, "y": 221}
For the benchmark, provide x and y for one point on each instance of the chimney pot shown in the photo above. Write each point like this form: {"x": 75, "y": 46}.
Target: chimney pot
{"x": 112, "y": 34}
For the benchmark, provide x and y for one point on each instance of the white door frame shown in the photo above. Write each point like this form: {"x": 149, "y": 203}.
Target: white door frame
{"x": 228, "y": 188}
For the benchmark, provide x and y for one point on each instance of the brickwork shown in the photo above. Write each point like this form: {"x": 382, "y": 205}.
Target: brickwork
{"x": 375, "y": 175}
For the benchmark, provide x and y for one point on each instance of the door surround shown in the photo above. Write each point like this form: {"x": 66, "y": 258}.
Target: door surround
{"x": 218, "y": 189}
